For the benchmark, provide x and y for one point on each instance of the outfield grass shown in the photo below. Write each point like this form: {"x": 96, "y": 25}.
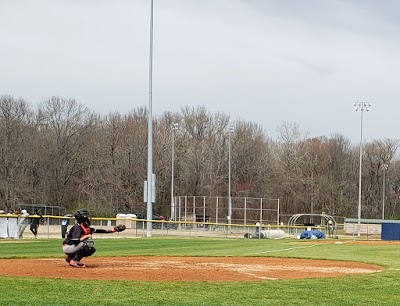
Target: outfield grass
{"x": 371, "y": 289}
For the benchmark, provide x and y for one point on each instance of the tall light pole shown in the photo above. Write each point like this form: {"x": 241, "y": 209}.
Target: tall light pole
{"x": 150, "y": 182}
{"x": 384, "y": 167}
{"x": 361, "y": 106}
{"x": 174, "y": 127}
{"x": 231, "y": 129}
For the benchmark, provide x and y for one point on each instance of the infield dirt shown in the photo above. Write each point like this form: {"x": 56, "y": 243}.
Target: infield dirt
{"x": 184, "y": 268}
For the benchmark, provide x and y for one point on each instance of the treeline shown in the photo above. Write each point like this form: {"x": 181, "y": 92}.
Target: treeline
{"x": 62, "y": 153}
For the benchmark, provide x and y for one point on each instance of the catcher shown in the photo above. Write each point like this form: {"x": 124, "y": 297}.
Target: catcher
{"x": 79, "y": 243}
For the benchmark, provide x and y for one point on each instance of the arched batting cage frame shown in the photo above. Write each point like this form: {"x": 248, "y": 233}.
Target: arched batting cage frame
{"x": 245, "y": 210}
{"x": 311, "y": 220}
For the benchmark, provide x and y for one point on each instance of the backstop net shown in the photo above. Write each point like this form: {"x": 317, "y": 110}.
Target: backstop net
{"x": 245, "y": 210}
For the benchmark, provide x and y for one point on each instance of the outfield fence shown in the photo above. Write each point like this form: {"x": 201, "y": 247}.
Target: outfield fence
{"x": 11, "y": 225}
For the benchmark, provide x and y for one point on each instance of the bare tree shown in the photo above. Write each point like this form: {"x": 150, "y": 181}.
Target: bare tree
{"x": 340, "y": 192}
{"x": 65, "y": 154}
{"x": 67, "y": 128}
{"x": 314, "y": 163}
{"x": 195, "y": 131}
{"x": 15, "y": 120}
{"x": 377, "y": 154}
{"x": 114, "y": 181}
{"x": 250, "y": 159}
{"x": 288, "y": 183}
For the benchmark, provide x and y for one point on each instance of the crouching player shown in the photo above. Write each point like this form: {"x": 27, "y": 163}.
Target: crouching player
{"x": 79, "y": 243}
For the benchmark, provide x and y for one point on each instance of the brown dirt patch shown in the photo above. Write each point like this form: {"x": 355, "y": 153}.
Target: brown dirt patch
{"x": 185, "y": 268}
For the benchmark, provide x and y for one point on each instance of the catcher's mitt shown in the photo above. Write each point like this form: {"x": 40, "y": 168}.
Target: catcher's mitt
{"x": 120, "y": 228}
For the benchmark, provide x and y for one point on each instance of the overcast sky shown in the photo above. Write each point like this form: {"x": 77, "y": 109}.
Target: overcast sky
{"x": 264, "y": 61}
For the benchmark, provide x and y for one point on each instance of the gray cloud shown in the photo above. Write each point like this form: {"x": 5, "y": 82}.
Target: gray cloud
{"x": 263, "y": 61}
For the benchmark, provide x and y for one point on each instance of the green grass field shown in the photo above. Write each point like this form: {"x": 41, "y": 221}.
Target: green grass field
{"x": 371, "y": 289}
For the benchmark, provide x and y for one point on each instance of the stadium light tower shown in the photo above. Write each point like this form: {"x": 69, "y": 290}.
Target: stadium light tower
{"x": 384, "y": 167}
{"x": 230, "y": 132}
{"x": 174, "y": 127}
{"x": 361, "y": 106}
{"x": 150, "y": 182}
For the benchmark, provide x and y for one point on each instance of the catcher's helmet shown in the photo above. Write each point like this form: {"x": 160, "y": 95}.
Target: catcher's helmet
{"x": 82, "y": 216}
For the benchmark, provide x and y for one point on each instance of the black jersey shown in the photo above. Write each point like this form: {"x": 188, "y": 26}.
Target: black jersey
{"x": 77, "y": 231}
{"x": 75, "y": 234}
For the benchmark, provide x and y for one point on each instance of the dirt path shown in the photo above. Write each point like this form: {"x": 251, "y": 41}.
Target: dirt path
{"x": 185, "y": 268}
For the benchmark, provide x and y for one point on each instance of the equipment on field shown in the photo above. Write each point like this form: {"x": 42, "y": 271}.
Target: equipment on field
{"x": 314, "y": 234}
{"x": 266, "y": 234}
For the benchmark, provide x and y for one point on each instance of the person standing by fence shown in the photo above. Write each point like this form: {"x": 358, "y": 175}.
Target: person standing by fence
{"x": 35, "y": 222}
{"x": 64, "y": 225}
{"x": 23, "y": 223}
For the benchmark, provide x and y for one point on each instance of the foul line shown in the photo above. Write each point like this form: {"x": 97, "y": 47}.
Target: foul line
{"x": 283, "y": 250}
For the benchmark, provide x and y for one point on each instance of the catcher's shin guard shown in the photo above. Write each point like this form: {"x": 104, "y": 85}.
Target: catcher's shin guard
{"x": 77, "y": 257}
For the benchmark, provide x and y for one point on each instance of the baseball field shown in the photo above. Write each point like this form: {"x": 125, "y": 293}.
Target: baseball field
{"x": 203, "y": 271}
